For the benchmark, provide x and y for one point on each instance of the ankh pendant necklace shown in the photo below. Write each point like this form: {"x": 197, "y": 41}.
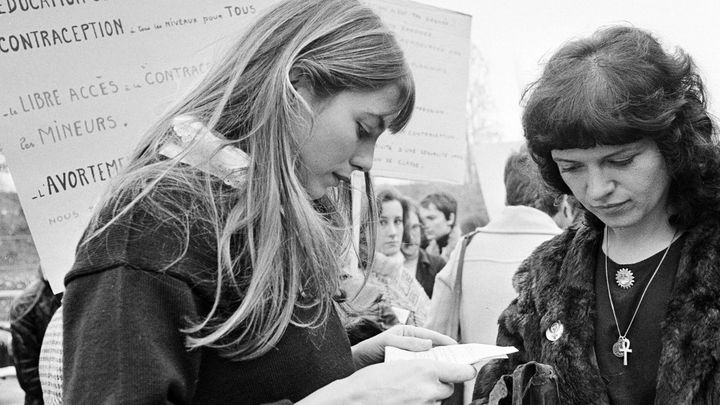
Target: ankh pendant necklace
{"x": 621, "y": 348}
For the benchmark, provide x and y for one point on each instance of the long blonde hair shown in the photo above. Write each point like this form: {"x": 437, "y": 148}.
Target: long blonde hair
{"x": 272, "y": 241}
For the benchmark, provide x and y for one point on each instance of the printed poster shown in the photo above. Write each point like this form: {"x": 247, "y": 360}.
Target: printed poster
{"x": 83, "y": 79}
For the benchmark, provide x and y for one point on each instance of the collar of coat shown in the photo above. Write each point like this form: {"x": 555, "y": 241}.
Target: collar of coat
{"x": 560, "y": 286}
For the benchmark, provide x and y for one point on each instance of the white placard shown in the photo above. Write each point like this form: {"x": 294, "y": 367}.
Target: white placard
{"x": 437, "y": 44}
{"x": 82, "y": 80}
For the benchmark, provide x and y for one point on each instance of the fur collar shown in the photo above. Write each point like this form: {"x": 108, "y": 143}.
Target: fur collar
{"x": 559, "y": 282}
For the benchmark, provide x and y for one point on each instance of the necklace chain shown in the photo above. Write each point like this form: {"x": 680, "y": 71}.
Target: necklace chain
{"x": 607, "y": 282}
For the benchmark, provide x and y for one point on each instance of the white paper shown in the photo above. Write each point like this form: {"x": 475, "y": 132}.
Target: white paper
{"x": 468, "y": 353}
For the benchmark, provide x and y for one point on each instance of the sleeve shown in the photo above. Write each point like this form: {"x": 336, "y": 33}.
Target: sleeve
{"x": 441, "y": 315}
{"x": 122, "y": 339}
{"x": 29, "y": 315}
{"x": 26, "y": 347}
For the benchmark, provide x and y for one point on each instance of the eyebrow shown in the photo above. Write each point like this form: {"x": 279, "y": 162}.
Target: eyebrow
{"x": 380, "y": 117}
{"x": 625, "y": 148}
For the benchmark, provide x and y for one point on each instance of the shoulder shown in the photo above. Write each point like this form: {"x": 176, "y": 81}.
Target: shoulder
{"x": 700, "y": 254}
{"x": 705, "y": 234}
{"x": 434, "y": 261}
{"x": 151, "y": 237}
{"x": 454, "y": 237}
{"x": 545, "y": 263}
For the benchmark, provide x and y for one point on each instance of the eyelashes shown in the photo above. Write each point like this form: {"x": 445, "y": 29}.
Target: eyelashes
{"x": 613, "y": 162}
{"x": 362, "y": 132}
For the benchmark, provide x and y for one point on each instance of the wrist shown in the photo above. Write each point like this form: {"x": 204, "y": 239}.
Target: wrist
{"x": 349, "y": 392}
{"x": 337, "y": 392}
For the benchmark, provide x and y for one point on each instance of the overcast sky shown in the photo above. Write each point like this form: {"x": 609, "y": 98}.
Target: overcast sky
{"x": 514, "y": 36}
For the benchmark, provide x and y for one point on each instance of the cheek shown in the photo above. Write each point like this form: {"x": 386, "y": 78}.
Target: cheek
{"x": 337, "y": 137}
{"x": 653, "y": 184}
{"x": 382, "y": 233}
{"x": 574, "y": 183}
{"x": 318, "y": 155}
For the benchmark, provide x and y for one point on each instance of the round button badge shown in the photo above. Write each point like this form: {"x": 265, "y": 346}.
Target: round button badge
{"x": 554, "y": 332}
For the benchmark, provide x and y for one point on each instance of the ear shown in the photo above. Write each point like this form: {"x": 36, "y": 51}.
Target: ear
{"x": 568, "y": 211}
{"x": 452, "y": 219}
{"x": 301, "y": 84}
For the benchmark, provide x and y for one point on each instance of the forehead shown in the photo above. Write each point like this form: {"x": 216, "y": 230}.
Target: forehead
{"x": 391, "y": 208}
{"x": 598, "y": 151}
{"x": 429, "y": 210}
{"x": 381, "y": 103}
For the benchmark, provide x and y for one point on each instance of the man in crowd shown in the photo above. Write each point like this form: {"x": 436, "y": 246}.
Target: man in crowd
{"x": 439, "y": 216}
{"x": 492, "y": 257}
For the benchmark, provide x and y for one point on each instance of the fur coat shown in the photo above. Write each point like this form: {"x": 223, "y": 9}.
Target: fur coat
{"x": 556, "y": 283}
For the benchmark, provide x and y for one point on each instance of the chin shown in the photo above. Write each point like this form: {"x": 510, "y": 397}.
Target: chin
{"x": 619, "y": 223}
{"x": 410, "y": 252}
{"x": 390, "y": 253}
{"x": 317, "y": 193}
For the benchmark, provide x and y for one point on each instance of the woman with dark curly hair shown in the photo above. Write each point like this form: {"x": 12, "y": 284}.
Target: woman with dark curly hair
{"x": 625, "y": 307}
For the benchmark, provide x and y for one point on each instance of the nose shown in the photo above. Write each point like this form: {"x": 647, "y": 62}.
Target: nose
{"x": 599, "y": 184}
{"x": 364, "y": 154}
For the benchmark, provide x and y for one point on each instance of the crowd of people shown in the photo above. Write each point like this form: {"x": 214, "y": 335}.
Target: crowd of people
{"x": 203, "y": 281}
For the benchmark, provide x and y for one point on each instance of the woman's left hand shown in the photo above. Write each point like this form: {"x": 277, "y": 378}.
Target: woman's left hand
{"x": 404, "y": 337}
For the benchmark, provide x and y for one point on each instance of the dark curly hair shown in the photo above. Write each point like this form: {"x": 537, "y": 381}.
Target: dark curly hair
{"x": 619, "y": 86}
{"x": 523, "y": 185}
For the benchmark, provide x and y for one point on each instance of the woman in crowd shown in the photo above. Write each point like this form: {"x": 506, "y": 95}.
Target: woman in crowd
{"x": 417, "y": 260}
{"x": 399, "y": 235}
{"x": 209, "y": 272}
{"x": 625, "y": 307}
{"x": 396, "y": 284}
{"x": 391, "y": 225}
{"x": 30, "y": 313}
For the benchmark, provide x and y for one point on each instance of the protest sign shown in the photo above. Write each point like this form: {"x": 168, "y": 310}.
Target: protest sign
{"x": 436, "y": 42}
{"x": 84, "y": 79}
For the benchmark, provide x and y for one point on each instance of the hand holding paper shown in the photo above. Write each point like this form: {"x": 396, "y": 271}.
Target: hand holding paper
{"x": 400, "y": 337}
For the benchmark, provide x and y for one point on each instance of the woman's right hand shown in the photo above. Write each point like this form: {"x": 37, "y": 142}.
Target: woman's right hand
{"x": 400, "y": 382}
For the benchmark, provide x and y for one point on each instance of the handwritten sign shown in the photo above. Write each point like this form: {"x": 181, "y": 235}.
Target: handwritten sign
{"x": 437, "y": 44}
{"x": 84, "y": 79}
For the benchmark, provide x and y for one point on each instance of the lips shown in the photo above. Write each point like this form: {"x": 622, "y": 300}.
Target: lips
{"x": 609, "y": 207}
{"x": 391, "y": 246}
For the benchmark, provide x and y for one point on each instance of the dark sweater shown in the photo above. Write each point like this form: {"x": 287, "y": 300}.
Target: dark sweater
{"x": 122, "y": 329}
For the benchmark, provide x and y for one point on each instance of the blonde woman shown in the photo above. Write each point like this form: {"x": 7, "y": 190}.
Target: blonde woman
{"x": 209, "y": 271}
